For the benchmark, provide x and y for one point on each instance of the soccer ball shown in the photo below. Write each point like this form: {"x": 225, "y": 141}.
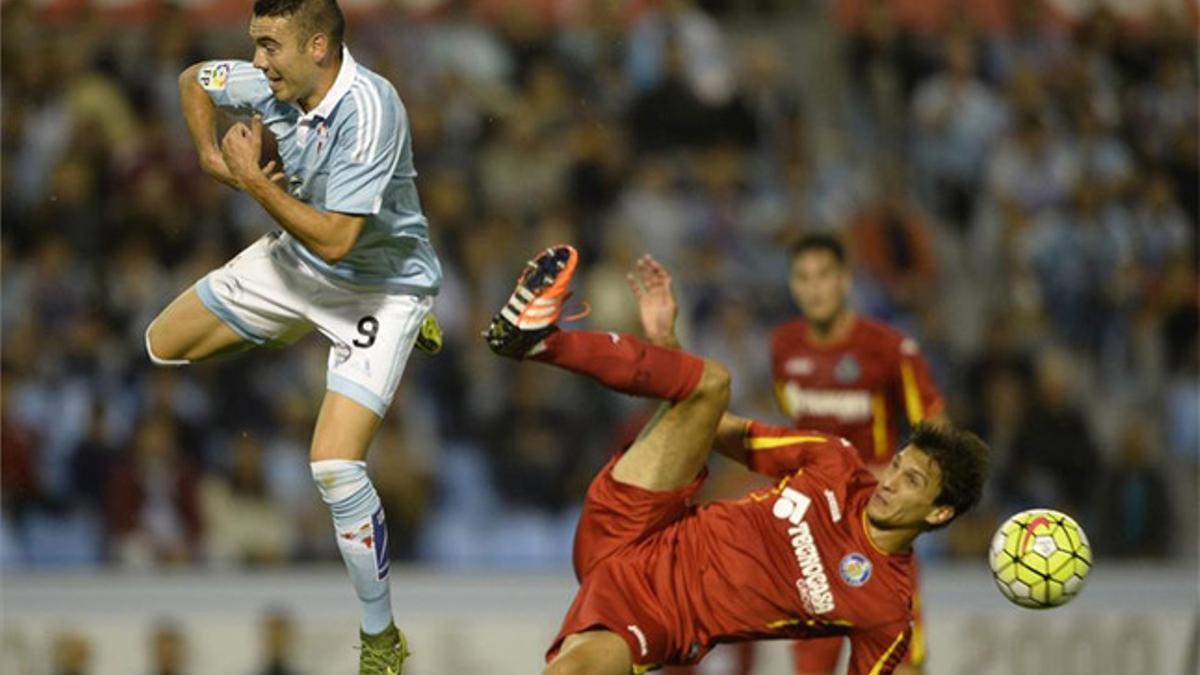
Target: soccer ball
{"x": 1040, "y": 558}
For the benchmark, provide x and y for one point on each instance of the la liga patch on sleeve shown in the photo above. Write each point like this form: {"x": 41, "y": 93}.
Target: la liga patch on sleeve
{"x": 213, "y": 76}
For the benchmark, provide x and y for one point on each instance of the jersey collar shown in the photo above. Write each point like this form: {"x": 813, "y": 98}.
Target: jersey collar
{"x": 345, "y": 77}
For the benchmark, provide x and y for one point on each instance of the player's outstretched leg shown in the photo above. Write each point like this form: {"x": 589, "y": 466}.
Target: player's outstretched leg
{"x": 674, "y": 446}
{"x": 527, "y": 328}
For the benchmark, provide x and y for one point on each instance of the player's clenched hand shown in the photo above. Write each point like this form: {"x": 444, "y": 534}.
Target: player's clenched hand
{"x": 214, "y": 165}
{"x": 241, "y": 149}
{"x": 657, "y": 306}
{"x": 275, "y": 174}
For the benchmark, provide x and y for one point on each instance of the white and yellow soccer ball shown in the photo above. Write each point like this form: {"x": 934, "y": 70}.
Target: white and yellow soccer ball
{"x": 1040, "y": 558}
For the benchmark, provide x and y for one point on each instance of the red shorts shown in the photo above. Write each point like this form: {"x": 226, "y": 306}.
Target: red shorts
{"x": 614, "y": 558}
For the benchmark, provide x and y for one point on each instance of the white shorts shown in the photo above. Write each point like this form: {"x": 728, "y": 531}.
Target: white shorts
{"x": 268, "y": 295}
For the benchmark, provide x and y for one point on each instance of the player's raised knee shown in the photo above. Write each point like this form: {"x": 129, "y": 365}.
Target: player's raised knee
{"x": 566, "y": 666}
{"x": 159, "y": 352}
{"x": 576, "y": 664}
{"x": 592, "y": 653}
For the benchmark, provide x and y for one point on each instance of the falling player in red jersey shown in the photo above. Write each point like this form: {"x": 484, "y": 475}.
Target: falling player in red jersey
{"x": 845, "y": 374}
{"x": 826, "y": 551}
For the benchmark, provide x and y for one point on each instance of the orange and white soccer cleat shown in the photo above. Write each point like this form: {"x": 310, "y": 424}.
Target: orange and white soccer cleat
{"x": 536, "y": 304}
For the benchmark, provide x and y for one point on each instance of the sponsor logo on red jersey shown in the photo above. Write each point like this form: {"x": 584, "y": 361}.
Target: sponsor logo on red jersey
{"x": 813, "y": 584}
{"x": 852, "y": 405}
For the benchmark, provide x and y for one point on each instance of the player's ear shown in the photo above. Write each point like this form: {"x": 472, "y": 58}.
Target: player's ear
{"x": 939, "y": 515}
{"x": 318, "y": 47}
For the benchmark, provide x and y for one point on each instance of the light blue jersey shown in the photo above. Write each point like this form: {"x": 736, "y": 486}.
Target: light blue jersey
{"x": 350, "y": 154}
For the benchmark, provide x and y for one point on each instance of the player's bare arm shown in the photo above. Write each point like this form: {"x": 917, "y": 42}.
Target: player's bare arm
{"x": 658, "y": 308}
{"x": 328, "y": 235}
{"x": 201, "y": 116}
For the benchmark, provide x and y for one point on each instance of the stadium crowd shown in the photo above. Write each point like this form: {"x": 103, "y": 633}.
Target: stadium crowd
{"x": 1018, "y": 193}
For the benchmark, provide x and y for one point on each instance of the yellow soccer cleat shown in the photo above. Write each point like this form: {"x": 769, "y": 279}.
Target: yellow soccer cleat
{"x": 429, "y": 339}
{"x": 382, "y": 654}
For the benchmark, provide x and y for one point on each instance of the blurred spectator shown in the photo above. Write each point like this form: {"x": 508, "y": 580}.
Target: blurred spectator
{"x": 242, "y": 524}
{"x": 885, "y": 62}
{"x": 90, "y": 462}
{"x": 1054, "y": 460}
{"x": 1001, "y": 355}
{"x": 1102, "y": 157}
{"x": 1000, "y": 420}
{"x": 1136, "y": 511}
{"x": 153, "y": 514}
{"x": 1161, "y": 229}
{"x": 535, "y": 452}
{"x": 650, "y": 213}
{"x": 1033, "y": 41}
{"x": 278, "y": 644}
{"x": 773, "y": 102}
{"x": 168, "y": 649}
{"x": 20, "y": 485}
{"x": 1081, "y": 256}
{"x": 522, "y": 171}
{"x": 1164, "y": 109}
{"x": 72, "y": 655}
{"x": 893, "y": 243}
{"x": 404, "y": 458}
{"x": 670, "y": 114}
{"x": 957, "y": 119}
{"x": 596, "y": 174}
{"x": 1031, "y": 167}
{"x": 678, "y": 40}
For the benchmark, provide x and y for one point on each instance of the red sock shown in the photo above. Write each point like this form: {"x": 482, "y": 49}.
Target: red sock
{"x": 624, "y": 363}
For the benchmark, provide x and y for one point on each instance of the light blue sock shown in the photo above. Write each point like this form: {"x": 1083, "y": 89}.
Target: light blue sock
{"x": 361, "y": 535}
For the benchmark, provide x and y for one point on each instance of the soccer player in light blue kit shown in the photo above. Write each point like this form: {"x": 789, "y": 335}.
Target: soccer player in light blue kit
{"x": 353, "y": 259}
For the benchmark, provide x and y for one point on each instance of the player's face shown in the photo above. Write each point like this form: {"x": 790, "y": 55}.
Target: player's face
{"x": 906, "y": 492}
{"x": 283, "y": 57}
{"x": 819, "y": 285}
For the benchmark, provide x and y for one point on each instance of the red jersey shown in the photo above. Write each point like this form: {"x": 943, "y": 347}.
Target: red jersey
{"x": 858, "y": 388}
{"x": 787, "y": 562}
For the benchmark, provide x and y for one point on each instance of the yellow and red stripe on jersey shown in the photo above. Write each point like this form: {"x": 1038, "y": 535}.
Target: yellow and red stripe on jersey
{"x": 878, "y": 668}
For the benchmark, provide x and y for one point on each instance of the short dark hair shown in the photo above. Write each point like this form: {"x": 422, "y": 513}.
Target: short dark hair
{"x": 820, "y": 242}
{"x": 963, "y": 458}
{"x": 312, "y": 17}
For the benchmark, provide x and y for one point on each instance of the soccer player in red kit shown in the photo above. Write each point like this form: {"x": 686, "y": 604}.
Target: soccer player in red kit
{"x": 826, "y": 551}
{"x": 845, "y": 374}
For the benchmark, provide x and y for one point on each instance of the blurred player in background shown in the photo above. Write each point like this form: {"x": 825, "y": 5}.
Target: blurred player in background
{"x": 847, "y": 375}
{"x": 352, "y": 260}
{"x": 827, "y": 551}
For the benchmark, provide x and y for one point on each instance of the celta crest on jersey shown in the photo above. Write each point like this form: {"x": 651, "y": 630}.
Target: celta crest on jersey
{"x": 813, "y": 584}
